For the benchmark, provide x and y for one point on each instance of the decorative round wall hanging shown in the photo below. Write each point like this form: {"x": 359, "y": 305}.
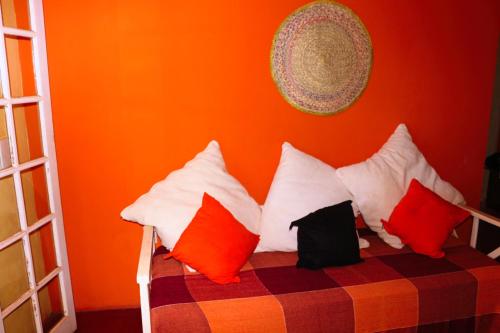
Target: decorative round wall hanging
{"x": 321, "y": 58}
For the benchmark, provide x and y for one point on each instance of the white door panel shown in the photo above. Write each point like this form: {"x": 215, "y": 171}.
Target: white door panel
{"x": 35, "y": 286}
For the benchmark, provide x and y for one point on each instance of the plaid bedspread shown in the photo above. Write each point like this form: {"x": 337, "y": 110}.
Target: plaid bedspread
{"x": 391, "y": 291}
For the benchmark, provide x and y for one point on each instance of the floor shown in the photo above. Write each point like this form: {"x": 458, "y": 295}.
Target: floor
{"x": 109, "y": 321}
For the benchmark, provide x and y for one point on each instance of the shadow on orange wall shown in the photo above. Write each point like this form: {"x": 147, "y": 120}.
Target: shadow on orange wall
{"x": 139, "y": 87}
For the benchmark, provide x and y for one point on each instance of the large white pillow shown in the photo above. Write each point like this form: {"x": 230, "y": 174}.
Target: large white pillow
{"x": 379, "y": 183}
{"x": 302, "y": 184}
{"x": 171, "y": 204}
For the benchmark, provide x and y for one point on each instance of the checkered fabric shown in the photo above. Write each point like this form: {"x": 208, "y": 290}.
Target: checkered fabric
{"x": 391, "y": 291}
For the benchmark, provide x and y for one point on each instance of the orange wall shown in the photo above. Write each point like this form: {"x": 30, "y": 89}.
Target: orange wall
{"x": 139, "y": 87}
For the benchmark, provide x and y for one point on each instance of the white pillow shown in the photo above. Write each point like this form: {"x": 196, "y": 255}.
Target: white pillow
{"x": 379, "y": 183}
{"x": 302, "y": 184}
{"x": 171, "y": 204}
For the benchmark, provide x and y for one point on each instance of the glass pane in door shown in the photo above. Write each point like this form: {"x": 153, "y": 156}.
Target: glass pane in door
{"x": 51, "y": 307}
{"x": 21, "y": 320}
{"x": 5, "y": 156}
{"x": 28, "y": 132}
{"x": 15, "y": 14}
{"x": 20, "y": 63}
{"x": 9, "y": 217}
{"x": 43, "y": 251}
{"x": 14, "y": 281}
{"x": 36, "y": 200}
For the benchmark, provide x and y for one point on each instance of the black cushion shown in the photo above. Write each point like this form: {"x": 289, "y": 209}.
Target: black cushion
{"x": 328, "y": 237}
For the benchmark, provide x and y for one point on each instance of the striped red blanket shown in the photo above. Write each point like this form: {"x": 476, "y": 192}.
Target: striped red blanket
{"x": 391, "y": 291}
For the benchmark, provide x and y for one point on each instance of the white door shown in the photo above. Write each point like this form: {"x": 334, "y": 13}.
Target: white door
{"x": 35, "y": 286}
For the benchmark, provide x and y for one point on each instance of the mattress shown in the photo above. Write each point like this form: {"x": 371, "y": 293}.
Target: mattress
{"x": 391, "y": 291}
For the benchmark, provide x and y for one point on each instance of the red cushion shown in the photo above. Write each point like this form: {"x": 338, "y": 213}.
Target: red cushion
{"x": 423, "y": 220}
{"x": 215, "y": 243}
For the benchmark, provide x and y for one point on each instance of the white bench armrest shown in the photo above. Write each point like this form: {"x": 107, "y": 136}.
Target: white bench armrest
{"x": 483, "y": 216}
{"x": 480, "y": 216}
{"x": 147, "y": 248}
{"x": 144, "y": 275}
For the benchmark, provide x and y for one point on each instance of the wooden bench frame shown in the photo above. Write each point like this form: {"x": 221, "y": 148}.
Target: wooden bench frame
{"x": 149, "y": 241}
